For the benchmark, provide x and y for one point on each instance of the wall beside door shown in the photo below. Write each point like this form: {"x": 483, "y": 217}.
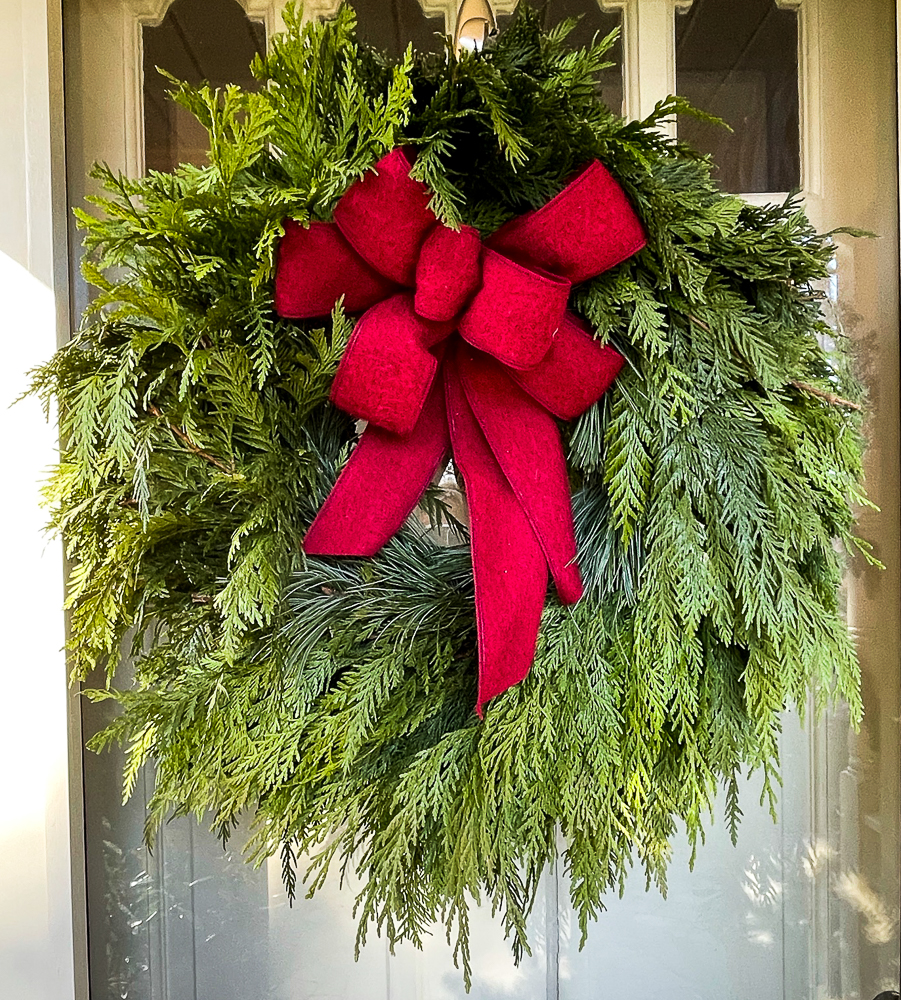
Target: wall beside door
{"x": 36, "y": 922}
{"x": 855, "y": 183}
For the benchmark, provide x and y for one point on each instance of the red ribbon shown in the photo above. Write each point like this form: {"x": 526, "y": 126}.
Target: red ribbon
{"x": 467, "y": 347}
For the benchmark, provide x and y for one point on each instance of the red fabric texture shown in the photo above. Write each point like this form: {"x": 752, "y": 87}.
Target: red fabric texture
{"x": 515, "y": 313}
{"x": 508, "y": 565}
{"x": 574, "y": 373}
{"x": 381, "y": 484}
{"x": 316, "y": 266}
{"x": 517, "y": 361}
{"x": 393, "y": 341}
{"x": 448, "y": 273}
{"x": 525, "y": 442}
{"x": 386, "y": 217}
{"x": 587, "y": 229}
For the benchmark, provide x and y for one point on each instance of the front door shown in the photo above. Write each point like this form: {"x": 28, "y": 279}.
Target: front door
{"x": 802, "y": 909}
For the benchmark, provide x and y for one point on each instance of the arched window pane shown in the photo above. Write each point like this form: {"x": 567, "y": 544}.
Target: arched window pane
{"x": 738, "y": 59}
{"x": 592, "y": 21}
{"x": 391, "y": 25}
{"x": 198, "y": 40}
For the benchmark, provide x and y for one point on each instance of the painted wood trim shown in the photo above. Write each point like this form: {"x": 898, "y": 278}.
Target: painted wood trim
{"x": 649, "y": 52}
{"x": 810, "y": 97}
{"x": 40, "y": 956}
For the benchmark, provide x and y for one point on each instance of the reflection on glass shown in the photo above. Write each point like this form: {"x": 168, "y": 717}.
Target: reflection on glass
{"x": 188, "y": 921}
{"x": 738, "y": 60}
{"x": 198, "y": 40}
{"x": 391, "y": 25}
{"x": 591, "y": 21}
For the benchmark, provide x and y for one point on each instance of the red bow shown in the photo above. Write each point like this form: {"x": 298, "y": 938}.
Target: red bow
{"x": 520, "y": 360}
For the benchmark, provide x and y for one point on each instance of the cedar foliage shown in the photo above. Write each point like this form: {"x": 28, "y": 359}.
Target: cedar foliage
{"x": 334, "y": 698}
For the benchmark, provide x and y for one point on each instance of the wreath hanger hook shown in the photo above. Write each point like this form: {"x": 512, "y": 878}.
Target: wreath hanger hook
{"x": 475, "y": 22}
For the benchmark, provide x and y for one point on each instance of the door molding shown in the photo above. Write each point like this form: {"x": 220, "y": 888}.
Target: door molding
{"x": 649, "y": 52}
{"x": 448, "y": 10}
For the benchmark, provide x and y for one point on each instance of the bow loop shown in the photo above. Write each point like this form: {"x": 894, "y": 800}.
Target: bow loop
{"x": 389, "y": 365}
{"x": 385, "y": 217}
{"x": 585, "y": 230}
{"x": 574, "y": 373}
{"x": 316, "y": 266}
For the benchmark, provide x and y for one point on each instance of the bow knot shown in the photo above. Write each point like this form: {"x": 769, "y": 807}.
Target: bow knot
{"x": 490, "y": 395}
{"x": 448, "y": 272}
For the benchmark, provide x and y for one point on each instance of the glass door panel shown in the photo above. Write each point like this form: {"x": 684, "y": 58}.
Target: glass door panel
{"x": 593, "y": 21}
{"x": 393, "y": 26}
{"x": 737, "y": 924}
{"x": 198, "y": 41}
{"x": 738, "y": 60}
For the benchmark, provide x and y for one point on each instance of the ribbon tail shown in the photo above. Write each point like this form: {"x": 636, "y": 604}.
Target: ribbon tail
{"x": 508, "y": 564}
{"x": 525, "y": 442}
{"x": 381, "y": 484}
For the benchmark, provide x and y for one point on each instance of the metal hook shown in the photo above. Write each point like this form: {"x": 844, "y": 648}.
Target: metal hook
{"x": 475, "y": 22}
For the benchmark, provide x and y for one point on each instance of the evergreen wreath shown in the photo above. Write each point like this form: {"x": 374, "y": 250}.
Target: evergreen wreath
{"x": 333, "y": 698}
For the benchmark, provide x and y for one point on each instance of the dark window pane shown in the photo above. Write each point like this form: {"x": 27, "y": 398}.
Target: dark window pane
{"x": 391, "y": 25}
{"x": 738, "y": 59}
{"x": 592, "y": 21}
{"x": 199, "y": 40}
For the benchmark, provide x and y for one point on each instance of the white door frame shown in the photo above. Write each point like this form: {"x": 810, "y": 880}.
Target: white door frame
{"x": 42, "y": 916}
